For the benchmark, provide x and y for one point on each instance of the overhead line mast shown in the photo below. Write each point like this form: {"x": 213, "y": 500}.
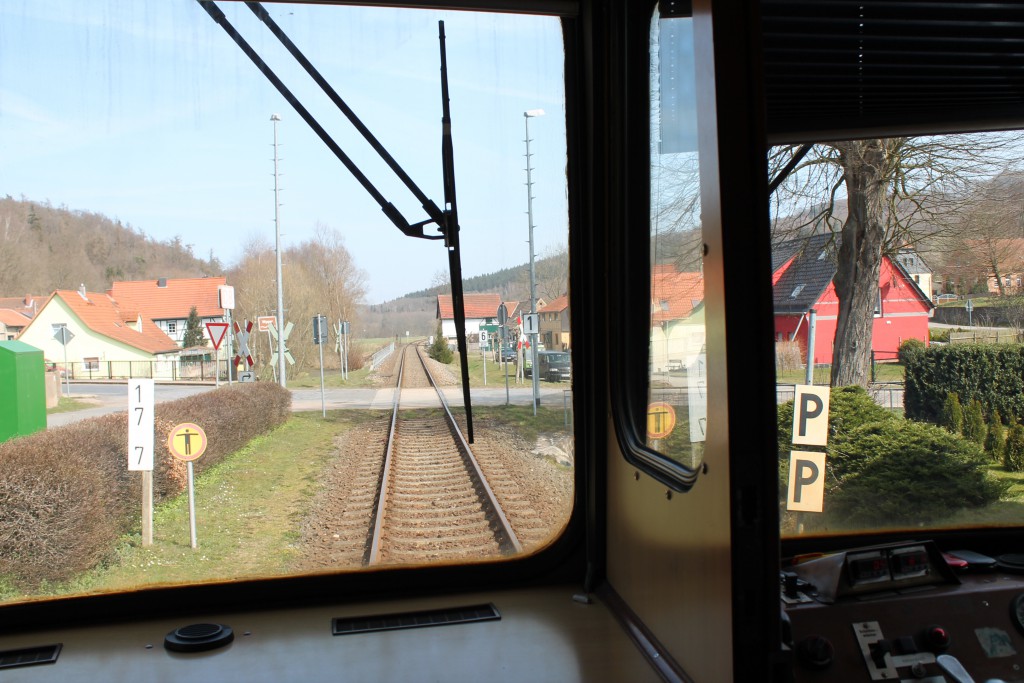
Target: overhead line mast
{"x": 446, "y": 220}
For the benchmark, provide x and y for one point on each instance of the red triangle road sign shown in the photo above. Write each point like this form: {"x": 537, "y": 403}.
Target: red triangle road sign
{"x": 216, "y": 332}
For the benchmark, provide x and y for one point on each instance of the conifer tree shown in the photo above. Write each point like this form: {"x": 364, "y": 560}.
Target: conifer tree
{"x": 995, "y": 436}
{"x": 194, "y": 330}
{"x": 974, "y": 423}
{"x": 953, "y": 414}
{"x": 439, "y": 350}
{"x": 1013, "y": 453}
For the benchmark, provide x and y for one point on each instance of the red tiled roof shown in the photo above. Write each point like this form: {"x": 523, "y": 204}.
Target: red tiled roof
{"x": 11, "y": 318}
{"x": 174, "y": 301}
{"x": 27, "y": 304}
{"x": 557, "y": 305}
{"x": 680, "y": 292}
{"x": 100, "y": 314}
{"x": 475, "y": 305}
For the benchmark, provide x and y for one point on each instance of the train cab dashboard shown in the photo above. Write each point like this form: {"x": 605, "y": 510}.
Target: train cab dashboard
{"x": 667, "y": 565}
{"x": 905, "y": 611}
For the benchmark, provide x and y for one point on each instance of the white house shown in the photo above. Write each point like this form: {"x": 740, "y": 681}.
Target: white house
{"x": 102, "y": 331}
{"x": 168, "y": 301}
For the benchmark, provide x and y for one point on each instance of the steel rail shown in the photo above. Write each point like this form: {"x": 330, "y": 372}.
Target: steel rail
{"x": 511, "y": 544}
{"x": 373, "y": 557}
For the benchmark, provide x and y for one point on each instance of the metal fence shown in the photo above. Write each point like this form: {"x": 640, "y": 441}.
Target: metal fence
{"x": 381, "y": 355}
{"x": 885, "y": 394}
{"x": 166, "y": 370}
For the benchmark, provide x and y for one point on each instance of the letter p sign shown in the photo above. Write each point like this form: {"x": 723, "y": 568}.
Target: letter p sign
{"x": 810, "y": 416}
{"x": 806, "y": 481}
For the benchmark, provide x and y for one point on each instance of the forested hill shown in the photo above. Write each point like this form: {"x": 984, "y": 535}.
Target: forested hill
{"x": 513, "y": 284}
{"x": 416, "y": 312}
{"x": 43, "y": 248}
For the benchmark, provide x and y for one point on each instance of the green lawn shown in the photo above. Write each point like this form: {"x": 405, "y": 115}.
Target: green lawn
{"x": 884, "y": 372}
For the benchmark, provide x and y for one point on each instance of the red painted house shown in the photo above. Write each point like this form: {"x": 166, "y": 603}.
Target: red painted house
{"x": 802, "y": 274}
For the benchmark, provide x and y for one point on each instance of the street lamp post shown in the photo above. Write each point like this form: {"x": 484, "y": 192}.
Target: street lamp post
{"x": 277, "y": 247}
{"x": 527, "y": 115}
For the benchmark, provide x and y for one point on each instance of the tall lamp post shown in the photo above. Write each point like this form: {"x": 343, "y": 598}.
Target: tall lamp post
{"x": 535, "y": 381}
{"x": 277, "y": 247}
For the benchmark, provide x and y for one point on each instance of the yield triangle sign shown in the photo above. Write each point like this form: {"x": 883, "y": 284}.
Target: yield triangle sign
{"x": 216, "y": 332}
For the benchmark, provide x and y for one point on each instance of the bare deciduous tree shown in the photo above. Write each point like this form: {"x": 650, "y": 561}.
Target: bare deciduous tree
{"x": 898, "y": 192}
{"x": 320, "y": 278}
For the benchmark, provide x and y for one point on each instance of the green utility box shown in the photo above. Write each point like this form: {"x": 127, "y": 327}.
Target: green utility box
{"x": 22, "y": 390}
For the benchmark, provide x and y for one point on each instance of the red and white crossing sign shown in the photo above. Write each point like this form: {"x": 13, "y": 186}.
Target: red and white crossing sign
{"x": 216, "y": 332}
{"x": 242, "y": 337}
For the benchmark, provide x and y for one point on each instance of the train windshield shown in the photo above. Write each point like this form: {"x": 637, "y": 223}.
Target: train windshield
{"x": 896, "y": 285}
{"x": 208, "y": 316}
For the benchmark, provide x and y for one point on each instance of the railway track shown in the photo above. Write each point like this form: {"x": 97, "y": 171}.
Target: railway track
{"x": 434, "y": 502}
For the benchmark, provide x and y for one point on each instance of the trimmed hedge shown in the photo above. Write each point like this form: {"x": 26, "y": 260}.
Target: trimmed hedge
{"x": 990, "y": 374}
{"x": 66, "y": 494}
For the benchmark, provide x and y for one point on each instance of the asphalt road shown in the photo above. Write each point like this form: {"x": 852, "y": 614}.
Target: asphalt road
{"x": 110, "y": 398}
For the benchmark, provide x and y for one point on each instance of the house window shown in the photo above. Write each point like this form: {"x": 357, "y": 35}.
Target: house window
{"x": 91, "y": 363}
{"x": 172, "y": 327}
{"x": 796, "y": 290}
{"x": 878, "y": 304}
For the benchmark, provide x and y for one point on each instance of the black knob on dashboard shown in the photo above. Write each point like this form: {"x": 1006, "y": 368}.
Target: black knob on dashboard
{"x": 878, "y": 652}
{"x": 936, "y": 639}
{"x": 815, "y": 652}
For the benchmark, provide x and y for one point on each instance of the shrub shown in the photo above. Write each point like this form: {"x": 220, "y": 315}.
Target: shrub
{"x": 439, "y": 350}
{"x": 1013, "y": 451}
{"x": 952, "y": 414}
{"x": 907, "y": 473}
{"x": 63, "y": 501}
{"x": 911, "y": 351}
{"x": 995, "y": 436}
{"x": 66, "y": 494}
{"x": 849, "y": 408}
{"x": 974, "y": 423}
{"x": 788, "y": 356}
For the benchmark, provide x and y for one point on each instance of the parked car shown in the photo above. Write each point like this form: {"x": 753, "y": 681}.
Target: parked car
{"x": 552, "y": 366}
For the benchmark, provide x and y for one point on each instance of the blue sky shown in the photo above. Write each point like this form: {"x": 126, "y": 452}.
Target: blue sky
{"x": 148, "y": 113}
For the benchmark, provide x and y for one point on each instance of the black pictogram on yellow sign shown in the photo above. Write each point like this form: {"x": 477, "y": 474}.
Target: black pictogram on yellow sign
{"x": 186, "y": 441}
{"x": 661, "y": 420}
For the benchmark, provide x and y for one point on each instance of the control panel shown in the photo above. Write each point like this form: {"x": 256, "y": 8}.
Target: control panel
{"x": 900, "y": 613}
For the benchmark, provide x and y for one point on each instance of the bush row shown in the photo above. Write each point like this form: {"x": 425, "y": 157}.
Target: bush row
{"x": 993, "y": 375}
{"x": 66, "y": 494}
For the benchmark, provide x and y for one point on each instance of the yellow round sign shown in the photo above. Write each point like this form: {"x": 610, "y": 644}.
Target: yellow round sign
{"x": 187, "y": 441}
{"x": 661, "y": 420}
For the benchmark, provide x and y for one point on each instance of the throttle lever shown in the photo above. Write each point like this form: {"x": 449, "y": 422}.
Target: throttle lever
{"x": 952, "y": 666}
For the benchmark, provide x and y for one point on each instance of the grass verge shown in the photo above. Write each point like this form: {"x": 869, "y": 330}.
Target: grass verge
{"x": 248, "y": 511}
{"x": 67, "y": 405}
